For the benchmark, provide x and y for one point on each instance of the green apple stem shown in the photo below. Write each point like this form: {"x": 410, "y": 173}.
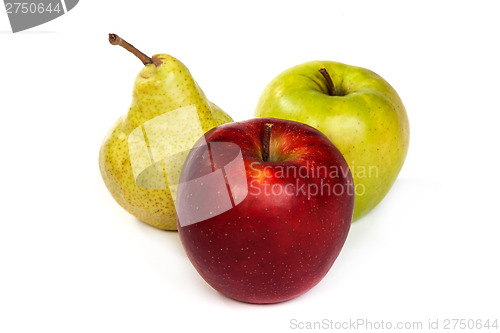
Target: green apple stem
{"x": 266, "y": 142}
{"x": 329, "y": 82}
{"x": 117, "y": 40}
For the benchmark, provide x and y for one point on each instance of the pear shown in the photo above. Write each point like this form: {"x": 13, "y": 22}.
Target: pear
{"x": 142, "y": 155}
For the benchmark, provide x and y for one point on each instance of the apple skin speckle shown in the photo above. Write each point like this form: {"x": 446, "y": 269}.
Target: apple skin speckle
{"x": 284, "y": 244}
{"x": 367, "y": 121}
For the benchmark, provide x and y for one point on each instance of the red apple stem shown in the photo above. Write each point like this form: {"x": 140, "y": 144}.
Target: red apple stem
{"x": 329, "y": 82}
{"x": 114, "y": 39}
{"x": 267, "y": 142}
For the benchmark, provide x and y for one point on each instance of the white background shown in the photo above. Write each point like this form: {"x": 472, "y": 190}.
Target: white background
{"x": 72, "y": 260}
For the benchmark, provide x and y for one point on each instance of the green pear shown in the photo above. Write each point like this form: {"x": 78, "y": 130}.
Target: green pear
{"x": 357, "y": 110}
{"x": 142, "y": 155}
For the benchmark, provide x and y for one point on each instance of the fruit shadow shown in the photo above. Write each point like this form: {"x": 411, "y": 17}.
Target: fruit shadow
{"x": 154, "y": 238}
{"x": 396, "y": 211}
{"x": 154, "y": 243}
{"x": 231, "y": 302}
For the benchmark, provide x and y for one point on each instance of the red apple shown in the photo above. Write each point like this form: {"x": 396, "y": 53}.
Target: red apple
{"x": 264, "y": 207}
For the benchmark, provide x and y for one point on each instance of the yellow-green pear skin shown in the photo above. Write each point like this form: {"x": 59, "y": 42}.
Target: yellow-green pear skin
{"x": 220, "y": 116}
{"x": 365, "y": 119}
{"x": 160, "y": 90}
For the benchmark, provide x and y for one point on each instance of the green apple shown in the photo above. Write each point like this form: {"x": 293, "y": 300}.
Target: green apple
{"x": 359, "y": 112}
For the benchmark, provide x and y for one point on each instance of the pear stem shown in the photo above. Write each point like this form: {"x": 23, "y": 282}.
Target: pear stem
{"x": 267, "y": 142}
{"x": 117, "y": 40}
{"x": 329, "y": 82}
